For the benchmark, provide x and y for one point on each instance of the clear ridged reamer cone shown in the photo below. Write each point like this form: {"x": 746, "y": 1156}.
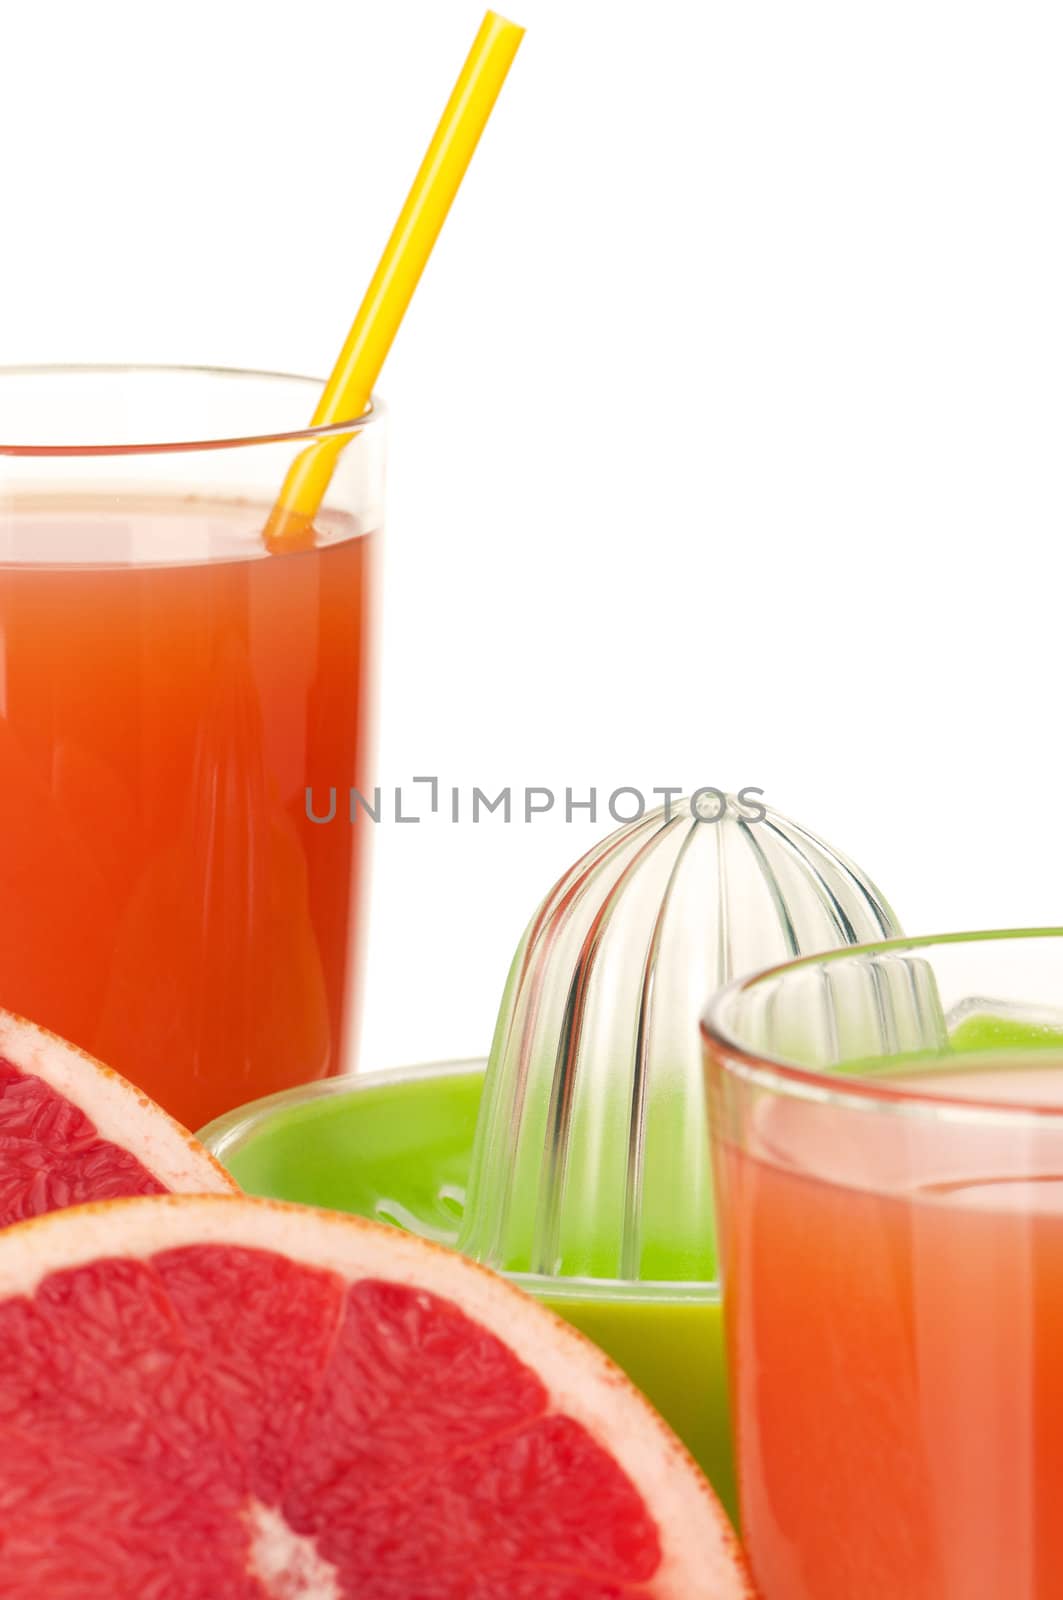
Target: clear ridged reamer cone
{"x": 591, "y": 1157}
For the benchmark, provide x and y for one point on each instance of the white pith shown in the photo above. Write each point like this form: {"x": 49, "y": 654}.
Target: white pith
{"x": 287, "y": 1564}
{"x": 697, "y": 1546}
{"x": 117, "y": 1110}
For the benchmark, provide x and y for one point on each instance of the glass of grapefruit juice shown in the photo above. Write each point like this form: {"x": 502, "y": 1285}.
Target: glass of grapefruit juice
{"x": 170, "y": 689}
{"x": 888, "y": 1150}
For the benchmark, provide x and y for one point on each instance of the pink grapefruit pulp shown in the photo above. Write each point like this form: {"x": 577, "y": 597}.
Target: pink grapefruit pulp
{"x": 71, "y": 1130}
{"x": 219, "y": 1398}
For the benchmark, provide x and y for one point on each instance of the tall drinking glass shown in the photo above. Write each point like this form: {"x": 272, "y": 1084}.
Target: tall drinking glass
{"x": 888, "y": 1151}
{"x": 169, "y": 690}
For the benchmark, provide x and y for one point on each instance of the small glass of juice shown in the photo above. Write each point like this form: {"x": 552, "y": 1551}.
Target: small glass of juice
{"x": 171, "y": 690}
{"x": 887, "y": 1128}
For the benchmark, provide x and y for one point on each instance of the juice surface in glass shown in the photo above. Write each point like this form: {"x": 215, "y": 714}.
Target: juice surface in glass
{"x": 168, "y": 691}
{"x": 893, "y": 1288}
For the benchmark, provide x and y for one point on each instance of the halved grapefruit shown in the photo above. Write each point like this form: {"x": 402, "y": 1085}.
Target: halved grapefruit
{"x": 219, "y": 1398}
{"x": 71, "y": 1130}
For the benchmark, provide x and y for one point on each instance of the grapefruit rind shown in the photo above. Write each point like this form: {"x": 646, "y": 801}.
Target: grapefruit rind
{"x": 121, "y": 1113}
{"x": 699, "y": 1556}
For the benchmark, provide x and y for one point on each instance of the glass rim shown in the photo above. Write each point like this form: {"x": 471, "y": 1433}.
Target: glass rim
{"x": 783, "y": 1077}
{"x": 135, "y": 369}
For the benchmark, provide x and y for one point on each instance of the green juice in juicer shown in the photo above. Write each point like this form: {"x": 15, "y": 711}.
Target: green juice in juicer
{"x": 578, "y": 1163}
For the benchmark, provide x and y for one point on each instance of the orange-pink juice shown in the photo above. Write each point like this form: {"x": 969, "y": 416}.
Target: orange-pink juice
{"x": 168, "y": 692}
{"x": 897, "y": 1353}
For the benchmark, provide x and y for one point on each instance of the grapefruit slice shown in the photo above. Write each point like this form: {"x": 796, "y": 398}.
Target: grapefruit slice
{"x": 71, "y": 1130}
{"x": 205, "y": 1397}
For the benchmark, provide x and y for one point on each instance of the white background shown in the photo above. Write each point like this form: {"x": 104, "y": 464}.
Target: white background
{"x": 725, "y": 428}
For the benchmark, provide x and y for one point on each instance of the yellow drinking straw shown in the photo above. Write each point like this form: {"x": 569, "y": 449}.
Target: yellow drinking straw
{"x": 347, "y": 392}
